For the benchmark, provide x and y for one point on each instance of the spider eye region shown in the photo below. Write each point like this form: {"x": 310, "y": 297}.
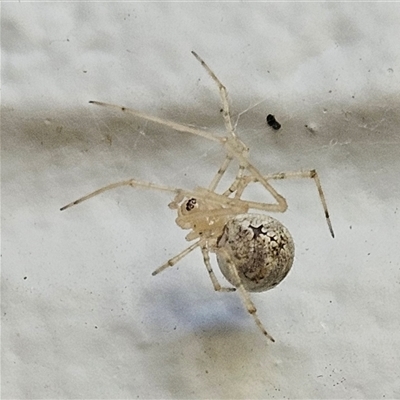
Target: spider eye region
{"x": 190, "y": 204}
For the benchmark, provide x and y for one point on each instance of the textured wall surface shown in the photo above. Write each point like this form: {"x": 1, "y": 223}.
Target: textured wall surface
{"x": 82, "y": 317}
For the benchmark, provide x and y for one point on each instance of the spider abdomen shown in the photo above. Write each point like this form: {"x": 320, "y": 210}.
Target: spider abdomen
{"x": 261, "y": 249}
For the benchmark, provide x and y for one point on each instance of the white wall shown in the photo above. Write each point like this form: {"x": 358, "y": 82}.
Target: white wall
{"x": 82, "y": 317}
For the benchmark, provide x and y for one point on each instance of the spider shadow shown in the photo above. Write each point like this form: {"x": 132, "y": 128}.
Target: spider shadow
{"x": 213, "y": 351}
{"x": 191, "y": 305}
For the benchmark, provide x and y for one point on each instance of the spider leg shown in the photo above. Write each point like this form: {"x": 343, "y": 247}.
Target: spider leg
{"x": 199, "y": 193}
{"x": 312, "y": 174}
{"x": 161, "y": 121}
{"x": 223, "y": 94}
{"x": 281, "y": 204}
{"x": 214, "y": 280}
{"x": 129, "y": 182}
{"x": 251, "y": 308}
{"x": 234, "y": 187}
{"x": 172, "y": 261}
{"x": 224, "y": 166}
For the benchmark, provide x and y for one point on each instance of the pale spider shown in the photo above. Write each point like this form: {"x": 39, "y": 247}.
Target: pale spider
{"x": 254, "y": 251}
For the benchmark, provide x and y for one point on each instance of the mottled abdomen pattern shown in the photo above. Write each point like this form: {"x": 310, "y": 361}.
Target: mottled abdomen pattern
{"x": 261, "y": 249}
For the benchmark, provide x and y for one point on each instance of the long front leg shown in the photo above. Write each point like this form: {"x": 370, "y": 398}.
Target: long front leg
{"x": 129, "y": 182}
{"x": 161, "y": 121}
{"x": 179, "y": 193}
{"x": 223, "y": 95}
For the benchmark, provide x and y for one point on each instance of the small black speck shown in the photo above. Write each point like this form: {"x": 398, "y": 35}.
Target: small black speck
{"x": 84, "y": 72}
{"x": 25, "y": 277}
{"x": 95, "y": 326}
{"x": 272, "y": 122}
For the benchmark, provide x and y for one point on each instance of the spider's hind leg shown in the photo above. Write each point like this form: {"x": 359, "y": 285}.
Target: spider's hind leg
{"x": 244, "y": 294}
{"x": 214, "y": 280}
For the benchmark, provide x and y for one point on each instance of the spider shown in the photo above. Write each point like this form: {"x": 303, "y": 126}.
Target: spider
{"x": 254, "y": 251}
